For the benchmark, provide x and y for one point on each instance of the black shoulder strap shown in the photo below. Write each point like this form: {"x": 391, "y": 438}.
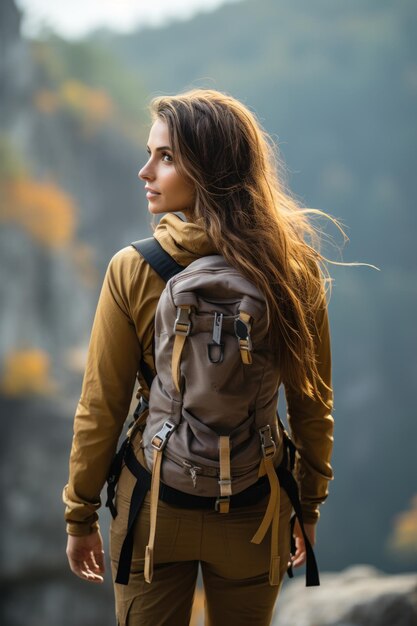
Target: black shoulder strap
{"x": 158, "y": 258}
{"x": 166, "y": 267}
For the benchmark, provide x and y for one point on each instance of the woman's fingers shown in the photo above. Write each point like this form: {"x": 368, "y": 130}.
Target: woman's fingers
{"x": 86, "y": 557}
{"x": 89, "y": 574}
{"x": 94, "y": 566}
{"x": 99, "y": 561}
{"x": 94, "y": 561}
{"x": 299, "y": 557}
{"x": 84, "y": 570}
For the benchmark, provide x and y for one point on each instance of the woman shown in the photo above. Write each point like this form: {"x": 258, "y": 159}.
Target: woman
{"x": 210, "y": 160}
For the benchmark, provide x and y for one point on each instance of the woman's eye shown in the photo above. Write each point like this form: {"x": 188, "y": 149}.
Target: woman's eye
{"x": 166, "y": 157}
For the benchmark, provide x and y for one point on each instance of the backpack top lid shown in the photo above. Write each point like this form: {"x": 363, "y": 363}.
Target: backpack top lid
{"x": 210, "y": 285}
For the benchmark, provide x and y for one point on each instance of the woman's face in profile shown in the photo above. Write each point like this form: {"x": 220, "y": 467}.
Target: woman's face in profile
{"x": 166, "y": 190}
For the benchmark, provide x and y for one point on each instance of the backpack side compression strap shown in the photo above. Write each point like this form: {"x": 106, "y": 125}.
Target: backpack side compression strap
{"x": 158, "y": 259}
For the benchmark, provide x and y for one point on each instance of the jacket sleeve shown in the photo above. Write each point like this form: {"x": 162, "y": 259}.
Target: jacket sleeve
{"x": 113, "y": 359}
{"x": 311, "y": 425}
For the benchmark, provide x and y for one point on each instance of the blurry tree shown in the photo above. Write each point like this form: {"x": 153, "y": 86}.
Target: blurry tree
{"x": 44, "y": 210}
{"x": 93, "y": 103}
{"x": 91, "y": 80}
{"x": 83, "y": 258}
{"x": 93, "y": 107}
{"x": 11, "y": 165}
{"x": 46, "y": 101}
{"x": 26, "y": 371}
{"x": 403, "y": 542}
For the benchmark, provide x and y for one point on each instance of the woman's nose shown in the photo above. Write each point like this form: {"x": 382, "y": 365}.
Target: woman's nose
{"x": 146, "y": 172}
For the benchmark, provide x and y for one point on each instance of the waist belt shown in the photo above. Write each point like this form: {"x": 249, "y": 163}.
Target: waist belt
{"x": 250, "y": 496}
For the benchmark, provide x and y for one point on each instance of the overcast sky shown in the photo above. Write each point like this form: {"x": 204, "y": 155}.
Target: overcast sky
{"x": 75, "y": 18}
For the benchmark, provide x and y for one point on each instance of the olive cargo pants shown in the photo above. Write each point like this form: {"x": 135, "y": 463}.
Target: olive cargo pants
{"x": 235, "y": 571}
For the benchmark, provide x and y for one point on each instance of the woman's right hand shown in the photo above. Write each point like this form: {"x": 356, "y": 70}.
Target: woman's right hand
{"x": 300, "y": 556}
{"x": 86, "y": 556}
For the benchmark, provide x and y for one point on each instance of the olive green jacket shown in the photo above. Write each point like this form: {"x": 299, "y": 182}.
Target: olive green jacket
{"x": 121, "y": 335}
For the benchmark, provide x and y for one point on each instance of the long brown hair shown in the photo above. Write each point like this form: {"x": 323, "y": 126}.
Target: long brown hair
{"x": 252, "y": 218}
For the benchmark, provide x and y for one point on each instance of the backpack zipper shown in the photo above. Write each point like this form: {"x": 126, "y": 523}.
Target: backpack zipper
{"x": 193, "y": 470}
{"x": 206, "y": 470}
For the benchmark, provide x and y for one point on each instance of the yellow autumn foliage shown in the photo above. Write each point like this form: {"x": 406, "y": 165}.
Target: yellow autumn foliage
{"x": 404, "y": 537}
{"x": 27, "y": 371}
{"x": 43, "y": 209}
{"x": 90, "y": 84}
{"x": 93, "y": 104}
{"x": 92, "y": 107}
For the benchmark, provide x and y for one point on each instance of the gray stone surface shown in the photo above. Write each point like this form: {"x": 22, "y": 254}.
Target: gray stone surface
{"x": 358, "y": 596}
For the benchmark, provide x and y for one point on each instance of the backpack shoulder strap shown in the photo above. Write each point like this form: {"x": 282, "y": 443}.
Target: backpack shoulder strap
{"x": 166, "y": 267}
{"x": 158, "y": 258}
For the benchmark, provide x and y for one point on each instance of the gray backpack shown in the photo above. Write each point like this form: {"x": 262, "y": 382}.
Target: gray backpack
{"x": 213, "y": 401}
{"x": 211, "y": 428}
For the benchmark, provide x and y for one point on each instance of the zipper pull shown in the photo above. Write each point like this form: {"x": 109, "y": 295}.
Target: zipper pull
{"x": 193, "y": 471}
{"x": 193, "y": 474}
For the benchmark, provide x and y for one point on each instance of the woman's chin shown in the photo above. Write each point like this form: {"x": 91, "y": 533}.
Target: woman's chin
{"x": 154, "y": 209}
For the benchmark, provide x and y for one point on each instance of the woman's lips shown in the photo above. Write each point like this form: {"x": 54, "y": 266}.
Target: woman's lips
{"x": 152, "y": 194}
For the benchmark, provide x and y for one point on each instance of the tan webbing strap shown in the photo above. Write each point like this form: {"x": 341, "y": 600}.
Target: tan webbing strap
{"x": 156, "y": 473}
{"x": 273, "y": 509}
{"x": 159, "y": 442}
{"x": 179, "y": 342}
{"x": 245, "y": 345}
{"x": 225, "y": 481}
{"x": 262, "y": 470}
{"x": 272, "y": 502}
{"x": 182, "y": 328}
{"x": 271, "y": 516}
{"x": 268, "y": 454}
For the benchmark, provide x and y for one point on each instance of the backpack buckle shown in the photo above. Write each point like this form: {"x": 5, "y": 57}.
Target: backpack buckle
{"x": 159, "y": 441}
{"x": 242, "y": 331}
{"x": 267, "y": 442}
{"x": 182, "y": 325}
{"x": 222, "y": 504}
